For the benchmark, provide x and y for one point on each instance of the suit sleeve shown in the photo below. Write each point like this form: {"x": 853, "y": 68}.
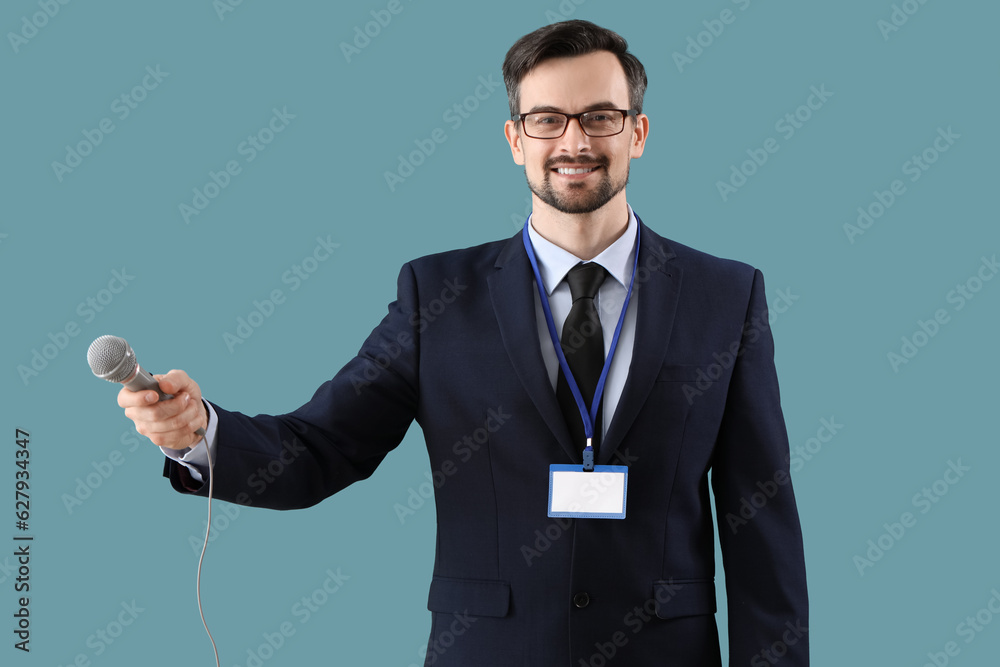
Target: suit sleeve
{"x": 340, "y": 436}
{"x": 758, "y": 521}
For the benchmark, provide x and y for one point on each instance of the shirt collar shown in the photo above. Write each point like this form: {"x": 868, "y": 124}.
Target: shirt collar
{"x": 554, "y": 262}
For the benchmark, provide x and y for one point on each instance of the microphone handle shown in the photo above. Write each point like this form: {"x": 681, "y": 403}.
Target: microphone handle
{"x": 143, "y": 381}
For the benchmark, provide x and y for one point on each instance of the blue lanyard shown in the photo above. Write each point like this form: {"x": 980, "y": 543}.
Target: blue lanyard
{"x": 588, "y": 416}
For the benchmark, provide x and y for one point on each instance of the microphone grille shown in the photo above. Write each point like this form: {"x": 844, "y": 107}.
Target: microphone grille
{"x": 111, "y": 358}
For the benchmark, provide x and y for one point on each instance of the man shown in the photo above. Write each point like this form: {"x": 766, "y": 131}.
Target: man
{"x": 689, "y": 387}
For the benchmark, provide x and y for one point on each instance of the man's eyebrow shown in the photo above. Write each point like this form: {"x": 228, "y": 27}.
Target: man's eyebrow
{"x": 590, "y": 107}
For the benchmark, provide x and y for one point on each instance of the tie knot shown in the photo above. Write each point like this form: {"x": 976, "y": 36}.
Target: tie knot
{"x": 585, "y": 279}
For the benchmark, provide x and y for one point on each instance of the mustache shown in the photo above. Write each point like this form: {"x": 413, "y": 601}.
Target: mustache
{"x": 584, "y": 159}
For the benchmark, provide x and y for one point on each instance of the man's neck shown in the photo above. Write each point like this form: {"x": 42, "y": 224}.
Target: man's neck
{"x": 585, "y": 235}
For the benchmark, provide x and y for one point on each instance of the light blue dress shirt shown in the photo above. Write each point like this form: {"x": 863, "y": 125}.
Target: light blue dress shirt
{"x": 617, "y": 259}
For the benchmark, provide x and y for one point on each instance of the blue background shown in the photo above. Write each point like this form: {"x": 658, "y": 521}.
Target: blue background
{"x": 847, "y": 304}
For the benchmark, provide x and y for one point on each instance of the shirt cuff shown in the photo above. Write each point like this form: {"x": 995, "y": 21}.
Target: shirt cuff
{"x": 195, "y": 459}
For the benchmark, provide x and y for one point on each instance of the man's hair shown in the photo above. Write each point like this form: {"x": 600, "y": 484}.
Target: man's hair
{"x": 569, "y": 38}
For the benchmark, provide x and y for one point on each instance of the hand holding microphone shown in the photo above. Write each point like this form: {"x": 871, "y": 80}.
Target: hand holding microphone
{"x": 167, "y": 409}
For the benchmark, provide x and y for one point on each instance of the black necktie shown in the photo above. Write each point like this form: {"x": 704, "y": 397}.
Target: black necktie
{"x": 583, "y": 344}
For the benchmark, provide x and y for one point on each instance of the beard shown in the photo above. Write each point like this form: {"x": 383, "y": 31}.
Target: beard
{"x": 582, "y": 197}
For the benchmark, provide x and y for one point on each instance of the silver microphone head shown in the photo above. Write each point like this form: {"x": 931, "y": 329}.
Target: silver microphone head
{"x": 112, "y": 359}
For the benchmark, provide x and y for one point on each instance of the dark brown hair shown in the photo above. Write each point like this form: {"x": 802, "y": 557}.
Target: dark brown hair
{"x": 569, "y": 38}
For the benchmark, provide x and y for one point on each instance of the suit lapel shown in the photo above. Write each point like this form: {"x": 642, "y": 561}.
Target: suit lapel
{"x": 512, "y": 290}
{"x": 657, "y": 289}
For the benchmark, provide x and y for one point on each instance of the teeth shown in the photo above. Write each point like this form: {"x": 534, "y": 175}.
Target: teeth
{"x": 563, "y": 170}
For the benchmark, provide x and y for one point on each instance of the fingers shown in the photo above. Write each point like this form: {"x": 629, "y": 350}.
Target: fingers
{"x": 128, "y": 398}
{"x": 177, "y": 381}
{"x": 163, "y": 416}
{"x": 169, "y": 423}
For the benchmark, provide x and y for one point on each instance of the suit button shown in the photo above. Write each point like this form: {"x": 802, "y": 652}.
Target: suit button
{"x": 581, "y": 600}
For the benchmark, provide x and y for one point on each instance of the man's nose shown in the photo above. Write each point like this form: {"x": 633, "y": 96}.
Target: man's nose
{"x": 574, "y": 139}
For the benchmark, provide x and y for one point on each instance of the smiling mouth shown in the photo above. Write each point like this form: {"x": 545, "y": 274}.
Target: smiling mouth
{"x": 575, "y": 170}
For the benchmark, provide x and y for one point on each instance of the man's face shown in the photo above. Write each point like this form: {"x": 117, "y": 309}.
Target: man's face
{"x": 573, "y": 85}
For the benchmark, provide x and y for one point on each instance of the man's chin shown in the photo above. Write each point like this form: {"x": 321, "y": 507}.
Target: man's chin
{"x": 578, "y": 198}
{"x": 575, "y": 197}
{"x": 577, "y": 206}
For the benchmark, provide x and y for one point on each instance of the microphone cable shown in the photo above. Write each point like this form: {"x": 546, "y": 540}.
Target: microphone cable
{"x": 204, "y": 547}
{"x": 111, "y": 358}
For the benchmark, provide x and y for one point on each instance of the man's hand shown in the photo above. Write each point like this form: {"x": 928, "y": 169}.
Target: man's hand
{"x": 172, "y": 423}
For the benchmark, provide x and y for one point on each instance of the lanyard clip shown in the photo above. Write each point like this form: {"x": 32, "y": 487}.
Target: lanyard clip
{"x": 588, "y": 457}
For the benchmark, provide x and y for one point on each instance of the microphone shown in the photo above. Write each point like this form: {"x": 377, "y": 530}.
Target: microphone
{"x": 112, "y": 358}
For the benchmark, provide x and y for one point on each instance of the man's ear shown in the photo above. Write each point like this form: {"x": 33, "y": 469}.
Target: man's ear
{"x": 639, "y": 134}
{"x": 514, "y": 139}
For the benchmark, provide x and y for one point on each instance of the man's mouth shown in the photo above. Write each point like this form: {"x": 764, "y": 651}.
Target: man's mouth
{"x": 567, "y": 171}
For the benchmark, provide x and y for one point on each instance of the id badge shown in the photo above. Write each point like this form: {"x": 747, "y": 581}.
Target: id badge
{"x": 587, "y": 495}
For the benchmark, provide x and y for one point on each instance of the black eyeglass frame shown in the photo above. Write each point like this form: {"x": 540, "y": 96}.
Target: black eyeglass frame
{"x": 569, "y": 116}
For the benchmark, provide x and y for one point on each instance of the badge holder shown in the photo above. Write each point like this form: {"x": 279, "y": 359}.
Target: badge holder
{"x": 599, "y": 494}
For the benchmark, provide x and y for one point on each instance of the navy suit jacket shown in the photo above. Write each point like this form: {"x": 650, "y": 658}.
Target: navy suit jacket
{"x": 459, "y": 352}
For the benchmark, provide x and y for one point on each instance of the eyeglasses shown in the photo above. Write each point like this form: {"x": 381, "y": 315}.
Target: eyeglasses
{"x": 553, "y": 124}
